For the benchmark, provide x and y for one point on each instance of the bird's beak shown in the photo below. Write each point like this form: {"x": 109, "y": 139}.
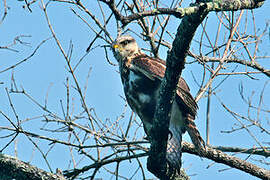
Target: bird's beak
{"x": 115, "y": 46}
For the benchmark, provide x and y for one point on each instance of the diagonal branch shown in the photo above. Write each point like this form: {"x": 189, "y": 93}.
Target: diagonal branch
{"x": 220, "y": 157}
{"x": 12, "y": 168}
{"x": 175, "y": 63}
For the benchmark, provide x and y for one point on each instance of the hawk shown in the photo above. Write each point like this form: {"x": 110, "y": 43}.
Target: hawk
{"x": 141, "y": 76}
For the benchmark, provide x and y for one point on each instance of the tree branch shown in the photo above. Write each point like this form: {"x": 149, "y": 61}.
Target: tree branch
{"x": 12, "y": 168}
{"x": 175, "y": 63}
{"x": 256, "y": 151}
{"x": 252, "y": 64}
{"x": 217, "y": 5}
{"x": 98, "y": 164}
{"x": 234, "y": 162}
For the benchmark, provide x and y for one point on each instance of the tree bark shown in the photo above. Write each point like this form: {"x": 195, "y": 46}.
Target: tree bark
{"x": 12, "y": 168}
{"x": 175, "y": 63}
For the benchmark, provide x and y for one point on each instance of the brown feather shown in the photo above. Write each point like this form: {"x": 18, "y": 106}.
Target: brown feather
{"x": 154, "y": 68}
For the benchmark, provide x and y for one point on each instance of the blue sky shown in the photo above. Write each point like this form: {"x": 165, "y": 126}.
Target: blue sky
{"x": 46, "y": 72}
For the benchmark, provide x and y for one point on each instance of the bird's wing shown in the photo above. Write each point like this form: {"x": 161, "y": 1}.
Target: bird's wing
{"x": 154, "y": 68}
{"x": 151, "y": 67}
{"x": 185, "y": 97}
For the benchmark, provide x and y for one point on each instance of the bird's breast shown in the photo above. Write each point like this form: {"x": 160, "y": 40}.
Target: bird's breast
{"x": 141, "y": 93}
{"x": 142, "y": 96}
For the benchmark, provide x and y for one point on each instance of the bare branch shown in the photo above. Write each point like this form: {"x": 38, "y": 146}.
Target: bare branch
{"x": 75, "y": 172}
{"x": 216, "y": 6}
{"x": 220, "y": 157}
{"x": 254, "y": 151}
{"x": 252, "y": 64}
{"x": 25, "y": 59}
{"x": 12, "y": 168}
{"x": 175, "y": 63}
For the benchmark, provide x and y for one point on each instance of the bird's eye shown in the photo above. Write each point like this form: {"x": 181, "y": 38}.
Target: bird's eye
{"x": 125, "y": 42}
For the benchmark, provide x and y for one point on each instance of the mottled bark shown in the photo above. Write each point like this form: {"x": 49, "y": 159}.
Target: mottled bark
{"x": 234, "y": 162}
{"x": 175, "y": 64}
{"x": 12, "y": 168}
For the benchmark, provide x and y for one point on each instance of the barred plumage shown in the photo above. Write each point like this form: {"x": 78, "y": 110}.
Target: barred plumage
{"x": 141, "y": 77}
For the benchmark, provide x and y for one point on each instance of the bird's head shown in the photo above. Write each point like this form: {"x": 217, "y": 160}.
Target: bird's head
{"x": 124, "y": 46}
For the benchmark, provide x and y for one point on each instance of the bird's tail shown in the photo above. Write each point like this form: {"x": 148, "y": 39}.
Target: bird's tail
{"x": 174, "y": 152}
{"x": 194, "y": 134}
{"x": 174, "y": 147}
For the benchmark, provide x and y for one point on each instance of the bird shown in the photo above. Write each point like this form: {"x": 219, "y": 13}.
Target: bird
{"x": 141, "y": 76}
